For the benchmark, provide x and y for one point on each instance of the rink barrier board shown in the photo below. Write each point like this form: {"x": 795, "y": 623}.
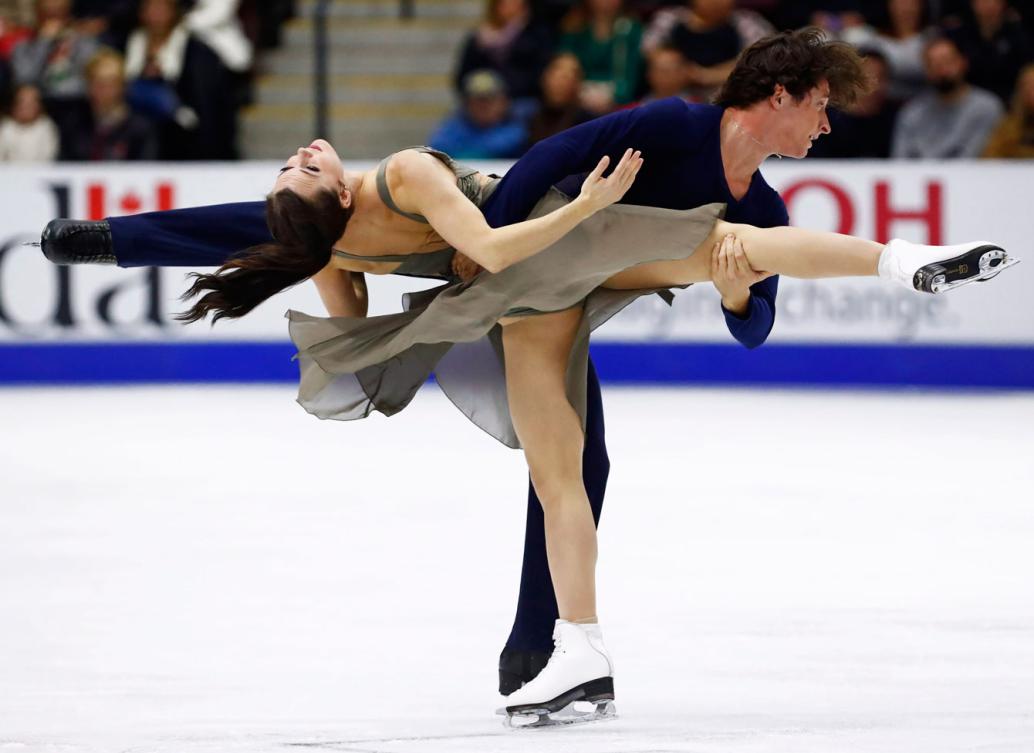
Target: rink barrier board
{"x": 676, "y": 363}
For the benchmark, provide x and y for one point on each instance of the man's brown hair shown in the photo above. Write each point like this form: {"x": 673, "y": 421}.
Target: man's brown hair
{"x": 798, "y": 60}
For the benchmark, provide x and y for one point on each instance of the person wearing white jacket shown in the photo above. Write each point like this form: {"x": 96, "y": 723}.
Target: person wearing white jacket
{"x": 216, "y": 23}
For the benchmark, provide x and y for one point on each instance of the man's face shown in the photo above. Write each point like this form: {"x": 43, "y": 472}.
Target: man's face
{"x": 798, "y": 124}
{"x": 944, "y": 64}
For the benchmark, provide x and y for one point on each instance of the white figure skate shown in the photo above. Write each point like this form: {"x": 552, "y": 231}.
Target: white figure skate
{"x": 576, "y": 685}
{"x": 935, "y": 269}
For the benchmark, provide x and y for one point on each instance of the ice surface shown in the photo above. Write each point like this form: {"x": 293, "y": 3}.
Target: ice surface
{"x": 202, "y": 569}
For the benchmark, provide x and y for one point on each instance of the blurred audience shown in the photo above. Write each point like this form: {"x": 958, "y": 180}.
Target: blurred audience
{"x": 606, "y": 42}
{"x": 900, "y": 38}
{"x": 511, "y": 43}
{"x": 560, "y": 105}
{"x": 54, "y": 59}
{"x": 28, "y": 135}
{"x": 113, "y": 131}
{"x": 866, "y": 129}
{"x": 996, "y": 45}
{"x": 181, "y": 84}
{"x": 710, "y": 38}
{"x": 485, "y": 127}
{"x": 952, "y": 118}
{"x": 1013, "y": 138}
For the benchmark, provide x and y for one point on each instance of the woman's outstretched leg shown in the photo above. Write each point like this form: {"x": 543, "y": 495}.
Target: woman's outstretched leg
{"x": 811, "y": 254}
{"x": 536, "y": 353}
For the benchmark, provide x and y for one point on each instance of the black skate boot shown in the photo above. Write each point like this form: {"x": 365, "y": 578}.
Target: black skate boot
{"x": 78, "y": 242}
{"x": 518, "y": 667}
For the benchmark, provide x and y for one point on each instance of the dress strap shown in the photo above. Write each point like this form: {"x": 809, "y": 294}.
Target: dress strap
{"x": 385, "y": 194}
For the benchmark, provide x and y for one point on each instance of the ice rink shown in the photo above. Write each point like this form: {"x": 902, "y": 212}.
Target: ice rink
{"x": 209, "y": 569}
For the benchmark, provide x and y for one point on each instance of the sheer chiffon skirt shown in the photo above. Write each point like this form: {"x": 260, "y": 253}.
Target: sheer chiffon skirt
{"x": 350, "y": 367}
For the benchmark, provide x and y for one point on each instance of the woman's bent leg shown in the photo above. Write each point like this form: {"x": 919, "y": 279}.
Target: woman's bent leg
{"x": 536, "y": 608}
{"x": 536, "y": 352}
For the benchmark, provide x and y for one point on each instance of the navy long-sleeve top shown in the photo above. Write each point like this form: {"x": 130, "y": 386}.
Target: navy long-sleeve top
{"x": 682, "y": 169}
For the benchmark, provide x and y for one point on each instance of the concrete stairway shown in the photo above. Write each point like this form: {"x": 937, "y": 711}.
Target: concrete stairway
{"x": 389, "y": 78}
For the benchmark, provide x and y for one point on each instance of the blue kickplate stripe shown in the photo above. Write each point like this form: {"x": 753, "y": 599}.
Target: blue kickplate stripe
{"x": 1005, "y": 367}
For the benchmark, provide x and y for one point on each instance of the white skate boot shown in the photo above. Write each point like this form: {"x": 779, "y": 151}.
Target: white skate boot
{"x": 935, "y": 269}
{"x": 579, "y": 672}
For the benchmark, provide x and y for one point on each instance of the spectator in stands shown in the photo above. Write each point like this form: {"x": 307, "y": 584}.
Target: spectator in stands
{"x": 509, "y": 42}
{"x": 667, "y": 74}
{"x": 996, "y": 45}
{"x": 952, "y": 118}
{"x": 28, "y": 135}
{"x": 1014, "y": 136}
{"x": 215, "y": 23}
{"x": 606, "y": 42}
{"x": 560, "y": 105}
{"x": 113, "y": 132}
{"x": 54, "y": 60}
{"x": 901, "y": 41}
{"x": 710, "y": 35}
{"x": 485, "y": 127}
{"x": 180, "y": 83}
{"x": 864, "y": 130}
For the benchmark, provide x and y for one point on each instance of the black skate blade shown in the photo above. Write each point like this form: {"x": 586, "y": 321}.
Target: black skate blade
{"x": 579, "y": 712}
{"x": 35, "y": 244}
{"x": 979, "y": 264}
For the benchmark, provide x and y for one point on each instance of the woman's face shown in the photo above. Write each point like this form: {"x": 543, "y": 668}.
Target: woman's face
{"x": 562, "y": 80}
{"x": 27, "y": 106}
{"x": 158, "y": 15}
{"x": 311, "y": 168}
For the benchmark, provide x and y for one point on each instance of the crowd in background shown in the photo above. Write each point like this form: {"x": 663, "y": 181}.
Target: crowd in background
{"x": 951, "y": 78}
{"x": 164, "y": 79}
{"x": 100, "y": 80}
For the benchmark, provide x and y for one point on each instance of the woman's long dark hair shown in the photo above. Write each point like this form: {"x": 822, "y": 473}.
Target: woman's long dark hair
{"x": 305, "y": 231}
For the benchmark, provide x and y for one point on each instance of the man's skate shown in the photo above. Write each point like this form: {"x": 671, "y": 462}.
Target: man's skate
{"x": 576, "y": 685}
{"x": 936, "y": 269}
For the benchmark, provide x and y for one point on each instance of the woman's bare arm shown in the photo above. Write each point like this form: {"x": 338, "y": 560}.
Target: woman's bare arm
{"x": 421, "y": 185}
{"x": 342, "y": 292}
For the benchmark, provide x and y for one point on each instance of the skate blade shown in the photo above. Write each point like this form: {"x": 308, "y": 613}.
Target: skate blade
{"x": 578, "y": 712}
{"x": 978, "y": 265}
